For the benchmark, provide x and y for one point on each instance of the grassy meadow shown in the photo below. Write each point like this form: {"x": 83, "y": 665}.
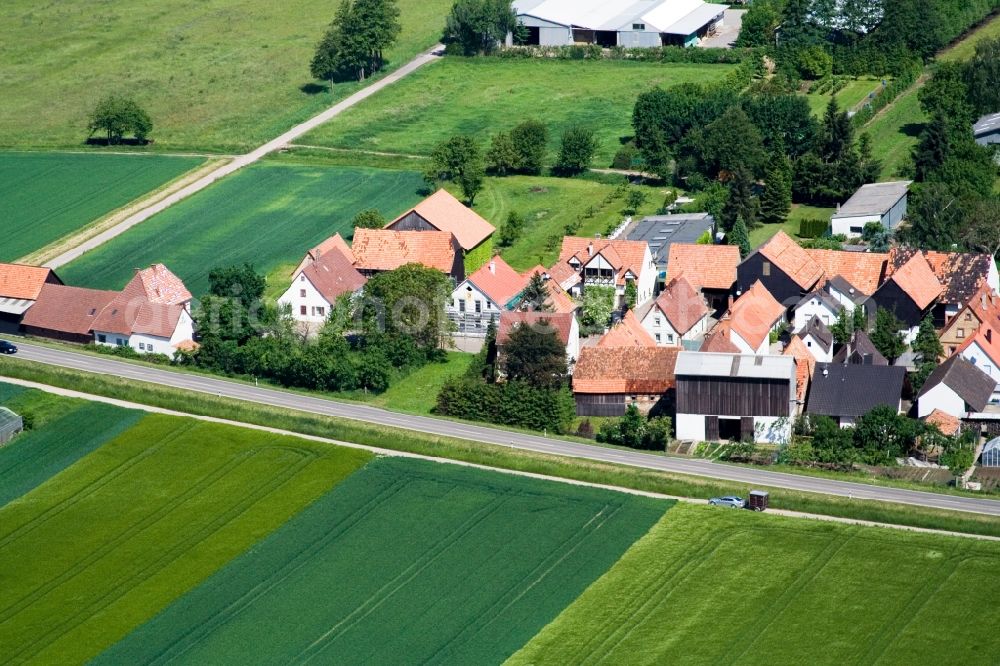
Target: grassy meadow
{"x": 104, "y": 545}
{"x": 464, "y": 565}
{"x": 221, "y": 75}
{"x": 847, "y": 97}
{"x": 45, "y": 196}
{"x": 709, "y": 586}
{"x": 799, "y": 212}
{"x": 268, "y": 214}
{"x": 417, "y": 392}
{"x": 483, "y": 96}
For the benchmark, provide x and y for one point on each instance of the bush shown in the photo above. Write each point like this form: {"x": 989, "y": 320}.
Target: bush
{"x": 512, "y": 403}
{"x": 625, "y": 158}
{"x": 637, "y": 432}
{"x": 813, "y": 228}
{"x": 665, "y": 54}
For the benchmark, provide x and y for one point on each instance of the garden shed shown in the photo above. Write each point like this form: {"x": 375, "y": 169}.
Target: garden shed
{"x": 10, "y": 425}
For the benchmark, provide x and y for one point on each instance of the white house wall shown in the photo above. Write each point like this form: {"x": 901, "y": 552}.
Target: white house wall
{"x": 814, "y": 306}
{"x": 658, "y": 326}
{"x": 993, "y": 277}
{"x": 816, "y": 349}
{"x": 975, "y": 355}
{"x": 943, "y": 398}
{"x": 303, "y": 294}
{"x": 690, "y": 427}
{"x": 844, "y": 225}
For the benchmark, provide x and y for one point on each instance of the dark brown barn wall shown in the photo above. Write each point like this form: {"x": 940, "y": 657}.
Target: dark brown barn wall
{"x": 732, "y": 396}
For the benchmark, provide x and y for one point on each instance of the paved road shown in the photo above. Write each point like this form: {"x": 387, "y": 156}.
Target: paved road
{"x": 277, "y": 398}
{"x": 241, "y": 161}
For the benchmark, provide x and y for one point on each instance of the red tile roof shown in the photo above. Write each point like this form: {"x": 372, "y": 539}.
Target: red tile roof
{"x": 629, "y": 370}
{"x": 334, "y": 242}
{"x": 333, "y": 274}
{"x": 559, "y": 322}
{"x": 789, "y": 256}
{"x": 159, "y": 285}
{"x": 718, "y": 340}
{"x": 805, "y": 365}
{"x": 682, "y": 304}
{"x": 446, "y": 213}
{"x": 24, "y": 282}
{"x": 946, "y": 423}
{"x": 499, "y": 281}
{"x": 629, "y": 332}
{"x": 918, "y": 281}
{"x": 65, "y": 309}
{"x": 386, "y": 250}
{"x": 754, "y": 314}
{"x": 961, "y": 274}
{"x": 705, "y": 266}
{"x": 624, "y": 255}
{"x": 864, "y": 270}
{"x": 564, "y": 275}
{"x": 559, "y": 299}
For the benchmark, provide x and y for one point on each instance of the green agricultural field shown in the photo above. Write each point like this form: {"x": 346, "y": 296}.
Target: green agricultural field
{"x": 483, "y": 96}
{"x": 404, "y": 562}
{"x": 710, "y": 586}
{"x": 549, "y": 205}
{"x": 103, "y": 546}
{"x": 65, "y": 430}
{"x": 213, "y": 74}
{"x": 268, "y": 214}
{"x": 45, "y": 196}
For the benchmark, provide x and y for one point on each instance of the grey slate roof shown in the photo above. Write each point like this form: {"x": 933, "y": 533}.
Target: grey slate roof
{"x": 873, "y": 199}
{"x": 861, "y": 350}
{"x": 853, "y": 390}
{"x": 970, "y": 383}
{"x": 660, "y": 231}
{"x": 841, "y": 284}
{"x": 823, "y": 296}
{"x": 987, "y": 124}
{"x": 816, "y": 328}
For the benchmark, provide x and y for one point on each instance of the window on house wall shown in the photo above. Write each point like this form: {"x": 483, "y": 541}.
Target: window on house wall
{"x": 765, "y": 269}
{"x": 302, "y": 278}
{"x": 968, "y": 316}
{"x": 461, "y": 306}
{"x": 960, "y": 333}
{"x": 658, "y": 337}
{"x": 319, "y": 311}
{"x": 303, "y": 311}
{"x": 121, "y": 342}
{"x": 857, "y": 230}
{"x": 479, "y": 306}
{"x": 638, "y": 26}
{"x": 302, "y": 293}
{"x": 101, "y": 337}
{"x": 142, "y": 346}
{"x": 656, "y": 321}
{"x": 670, "y": 337}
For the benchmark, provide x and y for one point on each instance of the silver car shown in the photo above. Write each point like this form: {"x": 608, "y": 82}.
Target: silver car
{"x": 731, "y": 501}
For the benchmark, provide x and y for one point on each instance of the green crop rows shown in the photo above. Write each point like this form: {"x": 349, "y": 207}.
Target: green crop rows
{"x": 404, "y": 562}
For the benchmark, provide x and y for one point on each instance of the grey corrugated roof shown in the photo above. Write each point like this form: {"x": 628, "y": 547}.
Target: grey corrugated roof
{"x": 7, "y": 416}
{"x": 854, "y": 390}
{"x": 711, "y": 364}
{"x": 696, "y": 20}
{"x": 970, "y": 383}
{"x": 873, "y": 199}
{"x": 987, "y": 124}
{"x": 660, "y": 231}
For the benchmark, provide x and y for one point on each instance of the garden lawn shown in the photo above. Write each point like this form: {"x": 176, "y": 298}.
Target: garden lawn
{"x": 106, "y": 544}
{"x": 45, "y": 196}
{"x": 405, "y": 561}
{"x": 417, "y": 392}
{"x": 710, "y": 586}
{"x": 895, "y": 131}
{"x": 481, "y": 96}
{"x": 268, "y": 214}
{"x": 799, "y": 212}
{"x": 64, "y": 431}
{"x": 213, "y": 74}
{"x": 548, "y": 206}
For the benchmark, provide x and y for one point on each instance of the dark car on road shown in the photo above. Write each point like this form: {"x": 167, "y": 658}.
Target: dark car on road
{"x": 7, "y": 347}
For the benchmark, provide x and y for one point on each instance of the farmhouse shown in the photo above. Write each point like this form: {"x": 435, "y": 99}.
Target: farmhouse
{"x": 747, "y": 327}
{"x": 956, "y": 387}
{"x": 982, "y": 308}
{"x": 660, "y": 232}
{"x": 909, "y": 293}
{"x": 480, "y": 298}
{"x": 819, "y": 304}
{"x": 628, "y": 23}
{"x": 19, "y": 289}
{"x": 818, "y": 339}
{"x": 961, "y": 274}
{"x": 564, "y": 325}
{"x": 783, "y": 267}
{"x": 983, "y": 351}
{"x": 325, "y": 273}
{"x": 443, "y": 212}
{"x": 151, "y": 314}
{"x": 678, "y": 315}
{"x": 845, "y": 392}
{"x": 66, "y": 313}
{"x": 735, "y": 397}
{"x": 608, "y": 379}
{"x": 709, "y": 268}
{"x": 379, "y": 250}
{"x": 589, "y": 262}
{"x": 987, "y": 130}
{"x": 884, "y": 203}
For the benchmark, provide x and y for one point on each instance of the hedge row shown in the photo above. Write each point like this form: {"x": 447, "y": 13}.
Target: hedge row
{"x": 906, "y": 78}
{"x": 667, "y": 54}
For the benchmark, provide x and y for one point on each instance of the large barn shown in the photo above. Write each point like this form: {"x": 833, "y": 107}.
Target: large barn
{"x": 627, "y": 23}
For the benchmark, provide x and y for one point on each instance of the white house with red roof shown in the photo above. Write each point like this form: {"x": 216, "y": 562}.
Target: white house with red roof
{"x": 483, "y": 295}
{"x": 747, "y": 327}
{"x": 151, "y": 314}
{"x": 325, "y": 274}
{"x": 678, "y": 314}
{"x": 983, "y": 351}
{"x": 593, "y": 262}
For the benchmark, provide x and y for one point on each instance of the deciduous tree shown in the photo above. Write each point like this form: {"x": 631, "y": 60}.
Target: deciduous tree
{"x": 368, "y": 219}
{"x": 117, "y": 116}
{"x": 887, "y": 336}
{"x": 476, "y": 27}
{"x": 576, "y": 150}
{"x": 458, "y": 160}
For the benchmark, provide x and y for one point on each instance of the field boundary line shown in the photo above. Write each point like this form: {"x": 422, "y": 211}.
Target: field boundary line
{"x": 109, "y": 220}
{"x": 450, "y": 461}
{"x": 247, "y": 159}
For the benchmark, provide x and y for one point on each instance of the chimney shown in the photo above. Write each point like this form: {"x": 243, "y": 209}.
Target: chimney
{"x": 989, "y": 335}
{"x": 590, "y": 250}
{"x": 838, "y": 207}
{"x": 493, "y": 266}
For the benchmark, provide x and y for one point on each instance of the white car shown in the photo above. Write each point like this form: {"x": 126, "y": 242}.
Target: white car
{"x": 732, "y": 501}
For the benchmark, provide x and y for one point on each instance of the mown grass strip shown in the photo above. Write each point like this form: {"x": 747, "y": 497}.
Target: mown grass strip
{"x": 493, "y": 456}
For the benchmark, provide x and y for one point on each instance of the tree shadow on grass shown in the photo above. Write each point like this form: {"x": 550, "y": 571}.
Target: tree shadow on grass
{"x": 912, "y": 129}
{"x": 124, "y": 141}
{"x": 313, "y": 88}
